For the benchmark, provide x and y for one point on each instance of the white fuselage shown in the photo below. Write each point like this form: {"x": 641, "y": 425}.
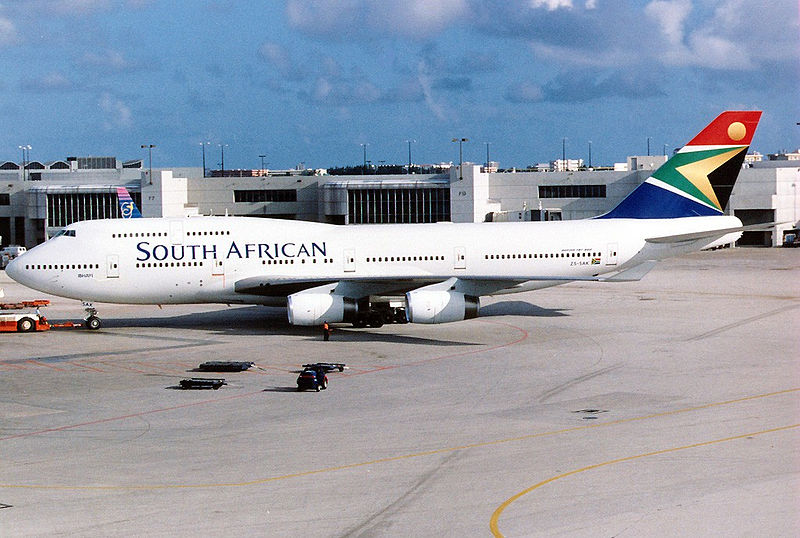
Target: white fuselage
{"x": 200, "y": 259}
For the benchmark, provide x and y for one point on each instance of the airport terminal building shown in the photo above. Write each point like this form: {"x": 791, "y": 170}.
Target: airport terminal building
{"x": 39, "y": 198}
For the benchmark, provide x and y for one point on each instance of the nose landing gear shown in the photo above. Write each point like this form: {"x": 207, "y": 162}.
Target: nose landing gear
{"x": 90, "y": 319}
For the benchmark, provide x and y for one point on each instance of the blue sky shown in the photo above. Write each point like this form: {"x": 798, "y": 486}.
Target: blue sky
{"x": 310, "y": 80}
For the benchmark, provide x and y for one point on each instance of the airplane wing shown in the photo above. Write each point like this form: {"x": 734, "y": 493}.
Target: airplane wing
{"x": 389, "y": 285}
{"x": 276, "y": 287}
{"x": 392, "y": 285}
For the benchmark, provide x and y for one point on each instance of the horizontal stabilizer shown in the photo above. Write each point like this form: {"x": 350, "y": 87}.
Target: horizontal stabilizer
{"x": 708, "y": 234}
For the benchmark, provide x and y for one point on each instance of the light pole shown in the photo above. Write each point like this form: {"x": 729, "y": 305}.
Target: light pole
{"x": 665, "y": 149}
{"x": 262, "y": 164}
{"x": 409, "y": 154}
{"x": 648, "y": 145}
{"x": 590, "y": 153}
{"x": 222, "y": 158}
{"x": 364, "y": 167}
{"x": 203, "y": 145}
{"x": 461, "y": 156}
{"x": 149, "y": 148}
{"x": 487, "y": 155}
{"x": 564, "y": 154}
{"x": 26, "y": 155}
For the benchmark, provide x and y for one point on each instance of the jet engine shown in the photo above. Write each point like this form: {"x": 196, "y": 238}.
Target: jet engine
{"x": 316, "y": 308}
{"x": 433, "y": 306}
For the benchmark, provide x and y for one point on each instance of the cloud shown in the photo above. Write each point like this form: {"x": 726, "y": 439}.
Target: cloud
{"x": 671, "y": 16}
{"x": 424, "y": 79}
{"x": 8, "y": 32}
{"x": 580, "y": 86}
{"x": 338, "y": 91}
{"x": 412, "y": 18}
{"x": 729, "y": 39}
{"x": 109, "y": 61}
{"x": 524, "y": 92}
{"x": 276, "y": 55}
{"x": 551, "y": 5}
{"x": 279, "y": 58}
{"x": 75, "y": 6}
{"x": 52, "y": 82}
{"x": 453, "y": 83}
{"x": 117, "y": 113}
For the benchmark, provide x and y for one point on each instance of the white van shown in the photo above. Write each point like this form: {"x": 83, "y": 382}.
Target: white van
{"x": 9, "y": 253}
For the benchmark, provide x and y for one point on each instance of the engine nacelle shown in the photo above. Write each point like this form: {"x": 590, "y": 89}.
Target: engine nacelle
{"x": 316, "y": 308}
{"x": 431, "y": 306}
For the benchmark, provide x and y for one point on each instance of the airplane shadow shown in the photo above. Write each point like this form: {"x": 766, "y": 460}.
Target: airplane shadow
{"x": 340, "y": 334}
{"x": 520, "y": 308}
{"x": 246, "y": 320}
{"x": 268, "y": 321}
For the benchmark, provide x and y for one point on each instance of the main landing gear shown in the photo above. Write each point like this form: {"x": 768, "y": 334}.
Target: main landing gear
{"x": 379, "y": 314}
{"x": 90, "y": 319}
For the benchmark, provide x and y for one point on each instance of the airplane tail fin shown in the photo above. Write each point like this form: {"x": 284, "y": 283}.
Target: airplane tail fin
{"x": 699, "y": 178}
{"x": 127, "y": 207}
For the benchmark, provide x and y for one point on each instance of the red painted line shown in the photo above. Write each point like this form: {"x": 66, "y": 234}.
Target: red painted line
{"x": 87, "y": 367}
{"x": 115, "y": 365}
{"x": 38, "y": 363}
{"x": 157, "y": 368}
{"x": 17, "y": 366}
{"x": 132, "y": 415}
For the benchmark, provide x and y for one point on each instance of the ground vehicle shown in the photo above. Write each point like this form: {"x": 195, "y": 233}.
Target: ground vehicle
{"x": 312, "y": 378}
{"x": 791, "y": 238}
{"x": 9, "y": 253}
{"x": 19, "y": 317}
{"x": 22, "y": 321}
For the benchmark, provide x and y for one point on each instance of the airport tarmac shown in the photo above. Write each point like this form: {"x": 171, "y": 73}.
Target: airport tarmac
{"x": 666, "y": 407}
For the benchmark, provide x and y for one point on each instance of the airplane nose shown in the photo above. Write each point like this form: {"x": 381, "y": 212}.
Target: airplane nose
{"x": 13, "y": 269}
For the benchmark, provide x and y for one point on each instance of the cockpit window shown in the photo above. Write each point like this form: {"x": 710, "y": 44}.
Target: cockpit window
{"x": 66, "y": 233}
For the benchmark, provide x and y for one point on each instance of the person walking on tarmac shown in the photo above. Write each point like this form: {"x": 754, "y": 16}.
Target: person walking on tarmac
{"x": 326, "y": 331}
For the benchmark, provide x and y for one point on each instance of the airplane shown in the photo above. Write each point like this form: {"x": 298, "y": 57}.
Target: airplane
{"x": 436, "y": 273}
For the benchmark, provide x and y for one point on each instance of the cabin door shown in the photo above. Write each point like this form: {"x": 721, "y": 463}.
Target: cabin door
{"x": 611, "y": 254}
{"x": 349, "y": 260}
{"x": 459, "y": 258}
{"x": 112, "y": 266}
{"x": 176, "y": 232}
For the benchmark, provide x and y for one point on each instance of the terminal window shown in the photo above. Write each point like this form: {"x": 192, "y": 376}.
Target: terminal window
{"x": 572, "y": 191}
{"x": 65, "y": 208}
{"x": 5, "y": 198}
{"x": 265, "y": 195}
{"x": 390, "y": 206}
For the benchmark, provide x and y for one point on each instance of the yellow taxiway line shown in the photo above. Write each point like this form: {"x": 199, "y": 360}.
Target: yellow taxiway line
{"x": 493, "y": 521}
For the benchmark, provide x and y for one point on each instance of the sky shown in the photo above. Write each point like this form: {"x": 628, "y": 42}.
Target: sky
{"x": 310, "y": 81}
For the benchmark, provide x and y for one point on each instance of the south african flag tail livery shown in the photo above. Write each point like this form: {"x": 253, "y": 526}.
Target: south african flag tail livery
{"x": 697, "y": 181}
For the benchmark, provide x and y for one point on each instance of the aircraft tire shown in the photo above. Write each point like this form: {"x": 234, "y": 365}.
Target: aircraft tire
{"x": 93, "y": 323}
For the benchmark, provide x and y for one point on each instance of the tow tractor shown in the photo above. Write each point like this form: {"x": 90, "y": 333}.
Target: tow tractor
{"x": 314, "y": 376}
{"x": 24, "y": 316}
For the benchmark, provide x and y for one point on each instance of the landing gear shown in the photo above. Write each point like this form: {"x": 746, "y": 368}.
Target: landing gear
{"x": 377, "y": 314}
{"x": 90, "y": 319}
